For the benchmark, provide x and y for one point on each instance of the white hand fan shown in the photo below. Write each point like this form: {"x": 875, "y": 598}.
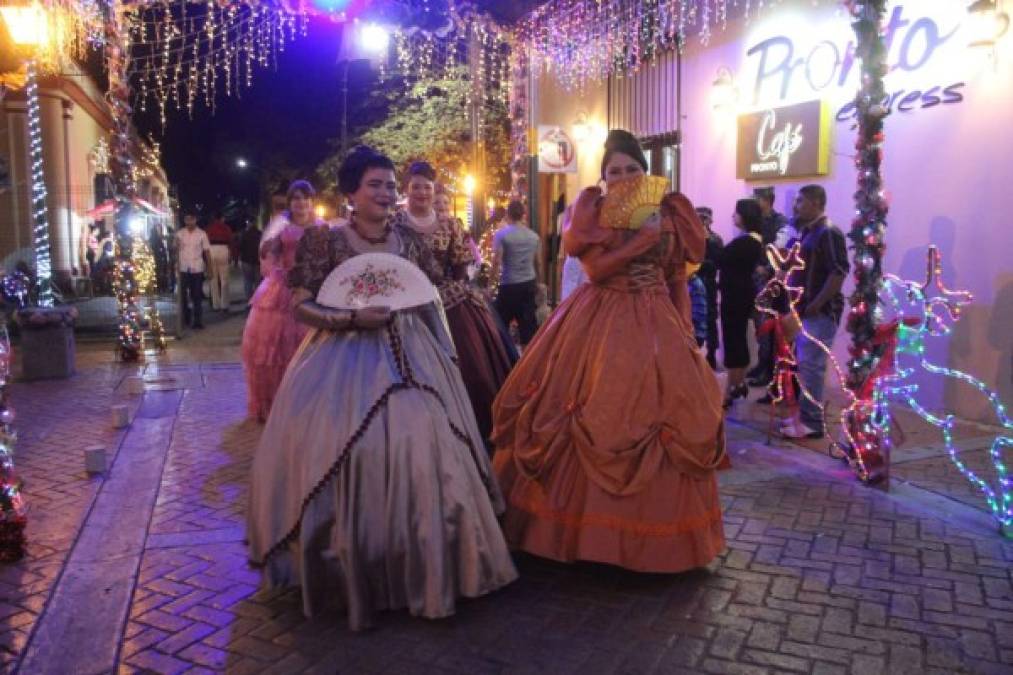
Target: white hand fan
{"x": 376, "y": 280}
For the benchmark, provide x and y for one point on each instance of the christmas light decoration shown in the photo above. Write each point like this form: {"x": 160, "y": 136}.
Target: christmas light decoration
{"x": 185, "y": 53}
{"x": 12, "y": 504}
{"x": 584, "y": 41}
{"x": 922, "y": 311}
{"x": 40, "y": 218}
{"x": 868, "y": 442}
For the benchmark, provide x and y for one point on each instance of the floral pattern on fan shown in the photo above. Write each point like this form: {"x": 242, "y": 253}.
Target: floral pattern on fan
{"x": 371, "y": 283}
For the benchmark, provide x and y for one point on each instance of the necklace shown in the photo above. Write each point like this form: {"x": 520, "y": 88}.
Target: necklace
{"x": 375, "y": 241}
{"x": 423, "y": 225}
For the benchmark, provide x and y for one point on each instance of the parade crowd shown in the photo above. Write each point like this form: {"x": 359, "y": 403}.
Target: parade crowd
{"x": 405, "y": 453}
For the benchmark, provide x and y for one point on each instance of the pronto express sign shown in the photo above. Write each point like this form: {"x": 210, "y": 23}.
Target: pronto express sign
{"x": 801, "y": 56}
{"x": 788, "y": 142}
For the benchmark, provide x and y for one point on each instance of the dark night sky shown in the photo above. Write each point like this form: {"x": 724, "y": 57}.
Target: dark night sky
{"x": 285, "y": 119}
{"x": 285, "y": 122}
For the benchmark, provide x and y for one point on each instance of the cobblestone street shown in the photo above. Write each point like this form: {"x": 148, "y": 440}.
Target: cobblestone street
{"x": 144, "y": 569}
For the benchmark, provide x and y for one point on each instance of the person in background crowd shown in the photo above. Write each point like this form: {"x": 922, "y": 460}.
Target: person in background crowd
{"x": 483, "y": 358}
{"x": 738, "y": 263}
{"x": 220, "y": 236}
{"x": 156, "y": 242}
{"x": 515, "y": 257}
{"x": 249, "y": 257}
{"x": 698, "y": 304}
{"x": 272, "y": 334}
{"x": 609, "y": 430}
{"x": 825, "y": 253}
{"x": 194, "y": 249}
{"x": 772, "y": 222}
{"x": 708, "y": 273}
{"x": 542, "y": 309}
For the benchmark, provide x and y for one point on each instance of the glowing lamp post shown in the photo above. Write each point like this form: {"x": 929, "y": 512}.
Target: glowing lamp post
{"x": 469, "y": 184}
{"x": 29, "y": 30}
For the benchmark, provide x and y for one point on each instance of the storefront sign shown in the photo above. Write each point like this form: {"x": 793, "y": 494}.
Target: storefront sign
{"x": 557, "y": 152}
{"x": 927, "y": 55}
{"x": 788, "y": 142}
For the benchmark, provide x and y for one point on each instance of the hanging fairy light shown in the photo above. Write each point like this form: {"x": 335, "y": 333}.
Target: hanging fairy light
{"x": 184, "y": 53}
{"x": 585, "y": 41}
{"x": 40, "y": 219}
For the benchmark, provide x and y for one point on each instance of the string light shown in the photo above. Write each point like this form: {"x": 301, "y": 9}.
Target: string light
{"x": 585, "y": 41}
{"x": 40, "y": 219}
{"x": 13, "y": 518}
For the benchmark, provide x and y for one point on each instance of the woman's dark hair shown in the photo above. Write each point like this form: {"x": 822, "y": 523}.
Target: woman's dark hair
{"x": 360, "y": 160}
{"x": 424, "y": 169}
{"x": 299, "y": 187}
{"x": 620, "y": 140}
{"x": 751, "y": 214}
{"x": 814, "y": 193}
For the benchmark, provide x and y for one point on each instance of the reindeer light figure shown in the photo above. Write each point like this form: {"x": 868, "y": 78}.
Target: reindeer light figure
{"x": 778, "y": 300}
{"x": 924, "y": 311}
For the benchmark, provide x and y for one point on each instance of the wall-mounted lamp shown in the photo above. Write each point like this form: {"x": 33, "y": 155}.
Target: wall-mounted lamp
{"x": 986, "y": 24}
{"x": 724, "y": 93}
{"x": 587, "y": 132}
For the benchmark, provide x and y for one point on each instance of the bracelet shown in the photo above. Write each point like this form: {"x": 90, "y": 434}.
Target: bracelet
{"x": 351, "y": 319}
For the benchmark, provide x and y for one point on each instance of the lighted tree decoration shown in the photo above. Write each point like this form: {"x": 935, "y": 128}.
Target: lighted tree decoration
{"x": 868, "y": 230}
{"x": 12, "y": 505}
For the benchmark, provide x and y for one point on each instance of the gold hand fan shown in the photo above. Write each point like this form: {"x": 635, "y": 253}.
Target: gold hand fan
{"x": 630, "y": 202}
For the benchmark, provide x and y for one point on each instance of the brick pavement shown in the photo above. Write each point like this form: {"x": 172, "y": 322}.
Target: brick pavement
{"x": 822, "y": 575}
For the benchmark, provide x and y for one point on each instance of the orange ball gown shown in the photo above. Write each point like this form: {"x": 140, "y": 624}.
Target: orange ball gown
{"x": 609, "y": 430}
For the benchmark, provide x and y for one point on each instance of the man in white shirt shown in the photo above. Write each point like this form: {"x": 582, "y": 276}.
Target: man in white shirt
{"x": 194, "y": 247}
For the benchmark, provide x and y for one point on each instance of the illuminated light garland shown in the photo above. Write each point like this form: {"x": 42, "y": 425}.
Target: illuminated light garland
{"x": 585, "y": 41}
{"x": 468, "y": 34}
{"x": 40, "y": 219}
{"x": 932, "y": 317}
{"x": 869, "y": 442}
{"x": 191, "y": 51}
{"x": 13, "y": 510}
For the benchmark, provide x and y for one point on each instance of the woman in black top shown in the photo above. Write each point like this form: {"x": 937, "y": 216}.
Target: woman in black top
{"x": 738, "y": 262}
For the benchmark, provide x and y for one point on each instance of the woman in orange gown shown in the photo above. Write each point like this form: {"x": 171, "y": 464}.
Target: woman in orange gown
{"x": 610, "y": 428}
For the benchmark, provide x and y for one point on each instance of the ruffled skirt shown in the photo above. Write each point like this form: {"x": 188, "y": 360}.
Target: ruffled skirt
{"x": 370, "y": 487}
{"x": 608, "y": 433}
{"x": 482, "y": 356}
{"x": 270, "y": 339}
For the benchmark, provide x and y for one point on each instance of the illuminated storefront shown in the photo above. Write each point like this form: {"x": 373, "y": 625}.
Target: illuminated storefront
{"x": 769, "y": 101}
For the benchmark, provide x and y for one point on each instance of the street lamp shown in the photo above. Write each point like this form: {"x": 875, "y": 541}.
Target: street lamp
{"x": 29, "y": 29}
{"x": 241, "y": 163}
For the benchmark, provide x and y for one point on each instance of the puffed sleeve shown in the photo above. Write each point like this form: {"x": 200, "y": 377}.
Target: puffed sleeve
{"x": 584, "y": 230}
{"x": 460, "y": 254}
{"x": 314, "y": 260}
{"x": 420, "y": 254}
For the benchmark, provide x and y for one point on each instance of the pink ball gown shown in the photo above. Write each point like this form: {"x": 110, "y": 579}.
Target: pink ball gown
{"x": 272, "y": 335}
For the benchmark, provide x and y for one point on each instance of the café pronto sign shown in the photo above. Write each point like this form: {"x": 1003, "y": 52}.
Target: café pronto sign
{"x": 787, "y": 142}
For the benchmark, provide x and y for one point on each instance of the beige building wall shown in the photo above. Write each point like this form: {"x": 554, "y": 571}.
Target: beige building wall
{"x": 75, "y": 118}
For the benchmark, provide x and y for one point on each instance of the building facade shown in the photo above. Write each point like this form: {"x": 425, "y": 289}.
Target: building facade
{"x": 75, "y": 124}
{"x": 723, "y": 117}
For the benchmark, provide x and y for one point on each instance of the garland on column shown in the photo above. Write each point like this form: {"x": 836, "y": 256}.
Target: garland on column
{"x": 130, "y": 340}
{"x": 867, "y": 233}
{"x": 12, "y": 504}
{"x": 40, "y": 219}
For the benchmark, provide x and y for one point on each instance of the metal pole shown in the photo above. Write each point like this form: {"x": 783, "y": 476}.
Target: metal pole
{"x": 344, "y": 108}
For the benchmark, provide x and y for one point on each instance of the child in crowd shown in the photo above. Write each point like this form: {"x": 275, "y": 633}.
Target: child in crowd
{"x": 698, "y": 303}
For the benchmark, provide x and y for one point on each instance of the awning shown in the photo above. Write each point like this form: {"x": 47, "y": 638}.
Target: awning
{"x": 108, "y": 208}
